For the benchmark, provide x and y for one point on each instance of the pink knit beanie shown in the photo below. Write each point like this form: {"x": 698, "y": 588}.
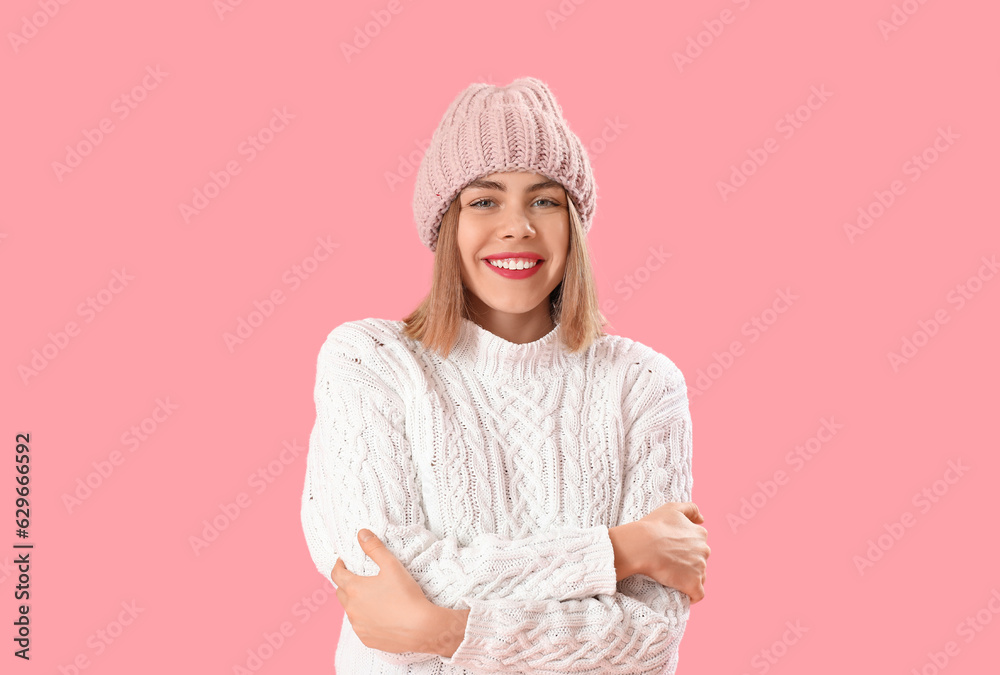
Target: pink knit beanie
{"x": 487, "y": 129}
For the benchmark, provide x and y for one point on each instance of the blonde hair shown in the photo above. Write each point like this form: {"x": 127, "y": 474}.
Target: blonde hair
{"x": 572, "y": 303}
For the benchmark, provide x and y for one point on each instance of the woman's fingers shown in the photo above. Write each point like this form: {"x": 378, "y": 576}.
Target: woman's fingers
{"x": 338, "y": 573}
{"x": 689, "y": 509}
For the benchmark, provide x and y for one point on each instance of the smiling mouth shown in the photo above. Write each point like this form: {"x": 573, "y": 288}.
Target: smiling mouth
{"x": 517, "y": 271}
{"x": 517, "y": 264}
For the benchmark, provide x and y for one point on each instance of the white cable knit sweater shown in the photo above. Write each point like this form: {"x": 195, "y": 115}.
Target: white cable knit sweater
{"x": 493, "y": 476}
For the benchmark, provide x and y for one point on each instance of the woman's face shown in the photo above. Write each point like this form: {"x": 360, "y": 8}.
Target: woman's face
{"x": 514, "y": 214}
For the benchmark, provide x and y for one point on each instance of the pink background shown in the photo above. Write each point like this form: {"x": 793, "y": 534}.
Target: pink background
{"x": 662, "y": 136}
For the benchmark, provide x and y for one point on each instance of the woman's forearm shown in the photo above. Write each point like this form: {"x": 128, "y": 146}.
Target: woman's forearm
{"x": 627, "y": 541}
{"x": 446, "y": 627}
{"x": 445, "y": 630}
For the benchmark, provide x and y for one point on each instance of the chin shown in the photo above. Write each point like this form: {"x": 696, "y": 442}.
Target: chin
{"x": 516, "y": 307}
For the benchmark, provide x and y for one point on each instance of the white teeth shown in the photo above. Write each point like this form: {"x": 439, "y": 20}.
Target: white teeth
{"x": 513, "y": 263}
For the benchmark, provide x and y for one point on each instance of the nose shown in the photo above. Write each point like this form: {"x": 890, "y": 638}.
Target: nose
{"x": 516, "y": 223}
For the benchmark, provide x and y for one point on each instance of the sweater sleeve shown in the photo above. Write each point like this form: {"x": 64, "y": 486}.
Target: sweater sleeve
{"x": 360, "y": 474}
{"x": 638, "y": 629}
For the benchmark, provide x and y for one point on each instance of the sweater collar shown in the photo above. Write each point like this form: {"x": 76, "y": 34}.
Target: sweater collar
{"x": 493, "y": 356}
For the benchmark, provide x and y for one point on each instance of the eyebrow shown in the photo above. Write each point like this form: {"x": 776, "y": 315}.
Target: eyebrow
{"x": 484, "y": 184}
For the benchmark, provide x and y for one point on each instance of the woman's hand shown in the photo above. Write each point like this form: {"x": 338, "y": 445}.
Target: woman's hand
{"x": 674, "y": 549}
{"x": 388, "y": 611}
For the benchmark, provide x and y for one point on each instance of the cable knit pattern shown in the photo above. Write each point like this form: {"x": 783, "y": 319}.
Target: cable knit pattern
{"x": 488, "y": 129}
{"x": 494, "y": 475}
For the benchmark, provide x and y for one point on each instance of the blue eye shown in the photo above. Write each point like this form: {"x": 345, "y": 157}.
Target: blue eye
{"x": 479, "y": 202}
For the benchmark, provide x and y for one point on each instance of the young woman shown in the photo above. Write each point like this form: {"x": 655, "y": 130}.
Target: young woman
{"x": 523, "y": 479}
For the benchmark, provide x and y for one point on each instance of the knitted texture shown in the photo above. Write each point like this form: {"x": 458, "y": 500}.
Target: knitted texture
{"x": 488, "y": 129}
{"x": 493, "y": 476}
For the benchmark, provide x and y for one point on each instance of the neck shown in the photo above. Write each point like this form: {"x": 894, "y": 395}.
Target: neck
{"x": 517, "y": 328}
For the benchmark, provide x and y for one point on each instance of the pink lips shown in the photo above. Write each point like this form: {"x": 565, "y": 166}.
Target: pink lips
{"x": 514, "y": 274}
